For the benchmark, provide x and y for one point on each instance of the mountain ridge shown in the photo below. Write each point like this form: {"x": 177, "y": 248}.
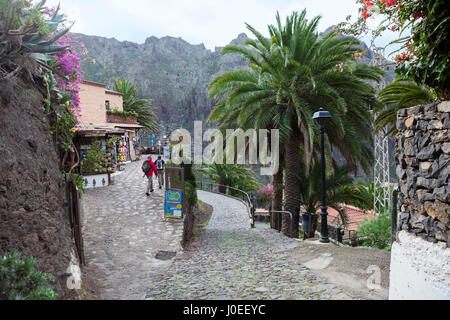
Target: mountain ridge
{"x": 170, "y": 71}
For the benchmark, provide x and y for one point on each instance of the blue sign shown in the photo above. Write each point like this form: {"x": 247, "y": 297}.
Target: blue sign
{"x": 173, "y": 205}
{"x": 166, "y": 152}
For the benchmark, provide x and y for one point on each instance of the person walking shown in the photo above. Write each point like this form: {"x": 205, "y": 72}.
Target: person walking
{"x": 160, "y": 163}
{"x": 149, "y": 169}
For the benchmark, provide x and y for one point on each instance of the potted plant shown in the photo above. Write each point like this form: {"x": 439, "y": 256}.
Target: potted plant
{"x": 95, "y": 163}
{"x": 341, "y": 188}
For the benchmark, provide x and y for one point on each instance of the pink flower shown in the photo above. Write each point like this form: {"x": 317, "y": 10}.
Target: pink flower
{"x": 369, "y": 5}
{"x": 365, "y": 15}
{"x": 390, "y": 3}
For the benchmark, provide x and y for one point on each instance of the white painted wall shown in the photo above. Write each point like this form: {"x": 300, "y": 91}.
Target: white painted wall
{"x": 420, "y": 270}
{"x": 98, "y": 181}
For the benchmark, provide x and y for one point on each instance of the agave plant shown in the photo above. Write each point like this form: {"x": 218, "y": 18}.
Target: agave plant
{"x": 27, "y": 34}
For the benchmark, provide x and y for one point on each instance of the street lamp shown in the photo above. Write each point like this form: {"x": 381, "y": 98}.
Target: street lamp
{"x": 322, "y": 116}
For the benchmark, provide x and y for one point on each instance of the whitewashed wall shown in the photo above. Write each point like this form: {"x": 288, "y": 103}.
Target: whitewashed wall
{"x": 420, "y": 270}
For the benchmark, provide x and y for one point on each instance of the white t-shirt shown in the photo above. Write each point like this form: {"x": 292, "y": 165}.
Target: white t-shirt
{"x": 159, "y": 163}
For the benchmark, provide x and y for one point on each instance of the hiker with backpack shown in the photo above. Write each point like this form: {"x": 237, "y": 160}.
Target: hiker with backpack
{"x": 149, "y": 169}
{"x": 160, "y": 163}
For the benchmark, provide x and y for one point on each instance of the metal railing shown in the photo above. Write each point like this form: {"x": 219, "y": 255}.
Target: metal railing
{"x": 279, "y": 217}
{"x": 239, "y": 195}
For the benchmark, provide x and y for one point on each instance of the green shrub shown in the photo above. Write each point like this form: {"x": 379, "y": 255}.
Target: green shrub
{"x": 190, "y": 184}
{"x": 125, "y": 114}
{"x": 95, "y": 160}
{"x": 376, "y": 233}
{"x": 191, "y": 193}
{"x": 19, "y": 280}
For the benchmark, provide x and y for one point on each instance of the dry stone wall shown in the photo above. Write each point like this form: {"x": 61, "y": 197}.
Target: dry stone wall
{"x": 423, "y": 170}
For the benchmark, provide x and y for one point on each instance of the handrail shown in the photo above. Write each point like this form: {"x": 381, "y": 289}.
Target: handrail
{"x": 245, "y": 198}
{"x": 291, "y": 223}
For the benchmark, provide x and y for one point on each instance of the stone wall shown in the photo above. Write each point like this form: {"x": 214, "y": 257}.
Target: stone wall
{"x": 423, "y": 171}
{"x": 420, "y": 257}
{"x": 119, "y": 118}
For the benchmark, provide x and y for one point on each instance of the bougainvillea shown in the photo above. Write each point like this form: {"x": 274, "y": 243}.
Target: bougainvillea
{"x": 423, "y": 27}
{"x": 267, "y": 190}
{"x": 67, "y": 77}
{"x": 69, "y": 65}
{"x": 264, "y": 195}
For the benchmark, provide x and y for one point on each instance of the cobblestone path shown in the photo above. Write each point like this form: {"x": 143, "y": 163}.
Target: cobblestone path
{"x": 123, "y": 229}
{"x": 231, "y": 261}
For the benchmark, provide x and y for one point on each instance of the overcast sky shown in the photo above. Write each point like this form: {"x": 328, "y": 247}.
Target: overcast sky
{"x": 211, "y": 22}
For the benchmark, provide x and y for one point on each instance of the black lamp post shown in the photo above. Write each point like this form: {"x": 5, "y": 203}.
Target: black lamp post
{"x": 322, "y": 116}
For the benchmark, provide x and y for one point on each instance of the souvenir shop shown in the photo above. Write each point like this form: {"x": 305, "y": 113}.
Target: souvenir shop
{"x": 110, "y": 148}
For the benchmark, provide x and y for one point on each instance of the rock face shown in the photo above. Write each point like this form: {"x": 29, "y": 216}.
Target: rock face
{"x": 33, "y": 219}
{"x": 170, "y": 71}
{"x": 423, "y": 169}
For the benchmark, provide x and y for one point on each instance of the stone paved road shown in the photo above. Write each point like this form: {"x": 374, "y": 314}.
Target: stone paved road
{"x": 123, "y": 230}
{"x": 231, "y": 261}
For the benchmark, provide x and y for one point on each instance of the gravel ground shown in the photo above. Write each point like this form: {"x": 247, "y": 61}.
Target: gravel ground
{"x": 230, "y": 261}
{"x": 123, "y": 231}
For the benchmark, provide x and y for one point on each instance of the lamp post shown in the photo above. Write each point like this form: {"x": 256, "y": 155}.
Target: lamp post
{"x": 322, "y": 116}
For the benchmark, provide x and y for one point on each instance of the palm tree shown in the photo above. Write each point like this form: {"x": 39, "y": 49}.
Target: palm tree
{"x": 133, "y": 103}
{"x": 292, "y": 75}
{"x": 229, "y": 114}
{"x": 235, "y": 176}
{"x": 401, "y": 94}
{"x": 341, "y": 189}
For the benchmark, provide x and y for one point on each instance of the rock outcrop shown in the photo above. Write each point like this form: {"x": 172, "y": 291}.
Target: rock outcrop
{"x": 172, "y": 72}
{"x": 33, "y": 216}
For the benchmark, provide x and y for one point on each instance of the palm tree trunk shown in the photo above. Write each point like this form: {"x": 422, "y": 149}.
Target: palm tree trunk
{"x": 292, "y": 184}
{"x": 277, "y": 199}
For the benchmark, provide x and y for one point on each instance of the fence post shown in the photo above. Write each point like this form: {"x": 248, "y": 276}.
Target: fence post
{"x": 339, "y": 234}
{"x": 394, "y": 215}
{"x": 252, "y": 204}
{"x": 279, "y": 221}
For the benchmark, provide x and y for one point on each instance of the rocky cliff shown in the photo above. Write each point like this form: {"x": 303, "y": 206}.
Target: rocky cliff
{"x": 33, "y": 214}
{"x": 170, "y": 71}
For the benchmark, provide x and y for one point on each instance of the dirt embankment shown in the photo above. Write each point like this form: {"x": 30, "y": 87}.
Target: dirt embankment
{"x": 33, "y": 218}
